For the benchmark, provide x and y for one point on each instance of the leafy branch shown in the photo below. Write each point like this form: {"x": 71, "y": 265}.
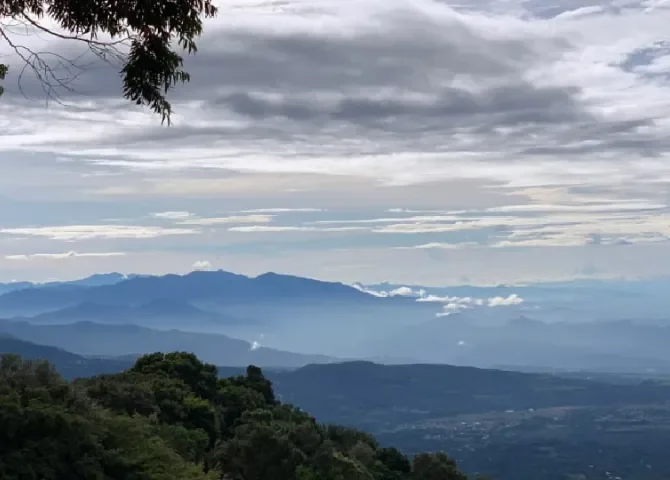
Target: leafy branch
{"x": 143, "y": 40}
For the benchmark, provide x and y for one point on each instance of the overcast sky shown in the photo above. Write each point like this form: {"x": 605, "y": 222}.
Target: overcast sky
{"x": 359, "y": 140}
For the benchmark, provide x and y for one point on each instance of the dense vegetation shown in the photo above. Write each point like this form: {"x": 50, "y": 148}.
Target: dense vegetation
{"x": 562, "y": 428}
{"x": 170, "y": 416}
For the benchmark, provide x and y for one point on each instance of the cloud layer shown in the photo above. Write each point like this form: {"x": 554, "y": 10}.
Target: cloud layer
{"x": 496, "y": 141}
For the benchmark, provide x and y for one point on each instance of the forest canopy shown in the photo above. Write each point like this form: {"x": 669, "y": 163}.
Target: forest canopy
{"x": 170, "y": 417}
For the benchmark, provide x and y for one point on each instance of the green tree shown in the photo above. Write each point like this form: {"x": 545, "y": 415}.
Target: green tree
{"x": 435, "y": 466}
{"x": 51, "y": 430}
{"x": 146, "y": 36}
{"x": 3, "y": 73}
{"x": 170, "y": 418}
{"x": 200, "y": 377}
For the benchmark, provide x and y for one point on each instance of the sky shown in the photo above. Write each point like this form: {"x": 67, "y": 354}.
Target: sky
{"x": 411, "y": 141}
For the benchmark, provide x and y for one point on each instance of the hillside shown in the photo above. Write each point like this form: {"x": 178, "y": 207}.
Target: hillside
{"x": 68, "y": 364}
{"x": 92, "y": 339}
{"x": 376, "y": 396}
{"x": 169, "y": 418}
{"x": 364, "y": 393}
{"x": 482, "y": 417}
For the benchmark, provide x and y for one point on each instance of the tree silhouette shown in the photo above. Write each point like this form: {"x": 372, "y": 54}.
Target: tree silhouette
{"x": 144, "y": 38}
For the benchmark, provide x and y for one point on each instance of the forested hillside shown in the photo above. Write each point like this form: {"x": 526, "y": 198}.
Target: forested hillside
{"x": 170, "y": 417}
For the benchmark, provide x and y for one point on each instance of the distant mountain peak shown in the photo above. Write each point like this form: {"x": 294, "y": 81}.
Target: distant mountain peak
{"x": 222, "y": 287}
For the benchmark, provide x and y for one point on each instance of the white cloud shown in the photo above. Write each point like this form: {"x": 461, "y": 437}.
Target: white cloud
{"x": 450, "y": 304}
{"x": 292, "y": 228}
{"x": 512, "y": 299}
{"x": 403, "y": 292}
{"x": 454, "y": 300}
{"x": 61, "y": 256}
{"x": 451, "y": 308}
{"x": 282, "y": 210}
{"x": 396, "y": 292}
{"x": 580, "y": 12}
{"x": 255, "y": 346}
{"x": 173, "y": 215}
{"x": 441, "y": 246}
{"x": 86, "y": 232}
{"x": 233, "y": 219}
{"x": 374, "y": 293}
{"x": 443, "y": 217}
{"x": 202, "y": 265}
{"x": 456, "y": 304}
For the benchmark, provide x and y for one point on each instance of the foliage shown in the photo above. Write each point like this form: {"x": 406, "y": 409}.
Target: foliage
{"x": 145, "y": 35}
{"x": 3, "y": 73}
{"x": 170, "y": 418}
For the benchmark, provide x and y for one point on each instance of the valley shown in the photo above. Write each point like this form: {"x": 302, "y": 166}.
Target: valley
{"x": 576, "y": 400}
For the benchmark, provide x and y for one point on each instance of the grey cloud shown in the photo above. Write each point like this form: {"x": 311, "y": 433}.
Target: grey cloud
{"x": 389, "y": 87}
{"x": 522, "y": 103}
{"x": 631, "y": 136}
{"x": 407, "y": 49}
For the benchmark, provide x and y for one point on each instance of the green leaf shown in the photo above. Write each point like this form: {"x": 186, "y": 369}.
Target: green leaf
{"x": 3, "y": 73}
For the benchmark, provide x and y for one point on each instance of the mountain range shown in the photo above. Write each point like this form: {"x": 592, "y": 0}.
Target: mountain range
{"x": 218, "y": 286}
{"x": 97, "y": 279}
{"x": 290, "y": 313}
{"x": 291, "y": 321}
{"x": 162, "y": 314}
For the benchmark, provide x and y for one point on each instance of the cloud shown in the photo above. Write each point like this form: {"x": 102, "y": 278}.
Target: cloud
{"x": 450, "y": 304}
{"x": 441, "y": 246}
{"x": 580, "y": 12}
{"x": 72, "y": 233}
{"x": 202, "y": 265}
{"x": 570, "y": 221}
{"x": 452, "y": 300}
{"x": 233, "y": 219}
{"x": 62, "y": 256}
{"x": 255, "y": 346}
{"x": 334, "y": 89}
{"x": 456, "y": 304}
{"x": 173, "y": 215}
{"x": 292, "y": 228}
{"x": 374, "y": 293}
{"x": 404, "y": 292}
{"x": 451, "y": 308}
{"x": 512, "y": 299}
{"x": 504, "y": 139}
{"x": 396, "y": 292}
{"x": 282, "y": 210}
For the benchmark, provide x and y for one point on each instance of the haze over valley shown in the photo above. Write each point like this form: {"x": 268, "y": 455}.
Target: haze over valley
{"x": 607, "y": 326}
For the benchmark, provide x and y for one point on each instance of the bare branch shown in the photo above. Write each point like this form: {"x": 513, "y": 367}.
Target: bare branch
{"x": 89, "y": 41}
{"x": 54, "y": 71}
